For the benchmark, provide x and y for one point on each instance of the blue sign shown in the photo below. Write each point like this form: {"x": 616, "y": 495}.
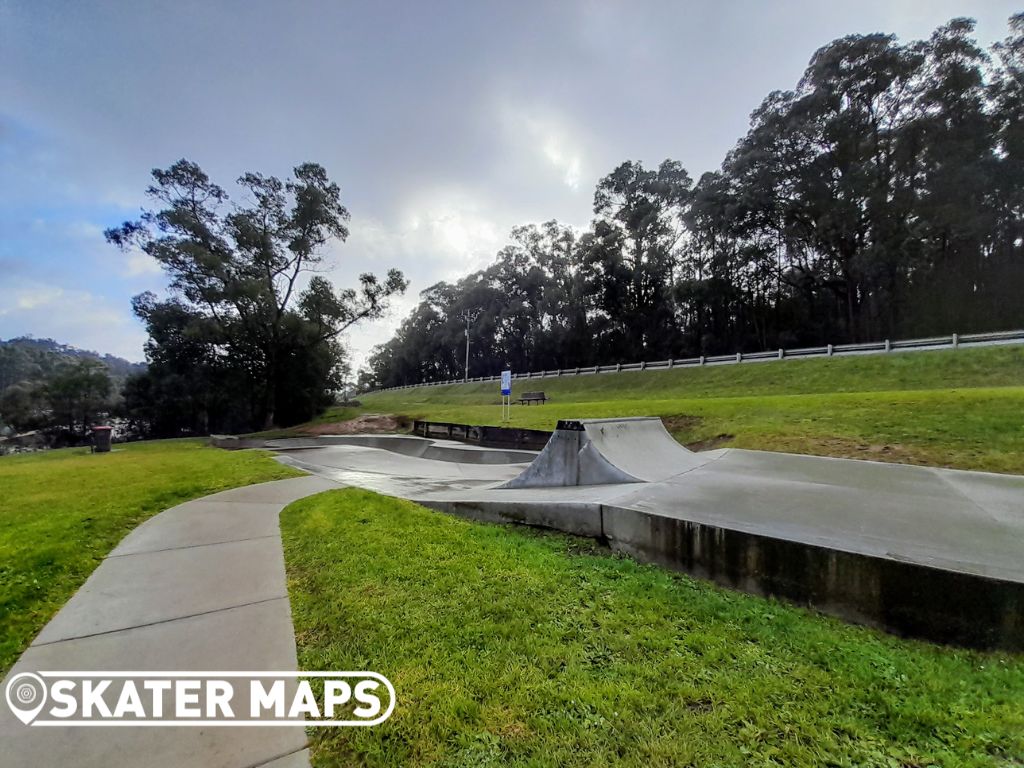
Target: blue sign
{"x": 506, "y": 382}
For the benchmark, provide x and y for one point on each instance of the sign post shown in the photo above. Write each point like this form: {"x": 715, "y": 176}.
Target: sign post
{"x": 506, "y": 396}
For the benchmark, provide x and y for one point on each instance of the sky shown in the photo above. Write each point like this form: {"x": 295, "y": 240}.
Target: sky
{"x": 445, "y": 123}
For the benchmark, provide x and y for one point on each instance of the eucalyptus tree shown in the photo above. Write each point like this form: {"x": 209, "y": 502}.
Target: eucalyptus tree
{"x": 633, "y": 250}
{"x": 848, "y": 210}
{"x": 243, "y": 266}
{"x": 541, "y": 279}
{"x": 1007, "y": 93}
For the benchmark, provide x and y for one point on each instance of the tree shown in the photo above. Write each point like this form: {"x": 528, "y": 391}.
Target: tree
{"x": 530, "y": 309}
{"x": 633, "y": 250}
{"x": 239, "y": 268}
{"x": 1004, "y": 254}
{"x": 22, "y": 407}
{"x": 191, "y": 382}
{"x": 78, "y": 392}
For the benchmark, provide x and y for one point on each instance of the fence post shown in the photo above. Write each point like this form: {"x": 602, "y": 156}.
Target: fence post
{"x": 618, "y": 367}
{"x": 702, "y": 359}
{"x": 577, "y": 371}
{"x": 782, "y": 353}
{"x": 671, "y": 362}
{"x": 643, "y": 365}
{"x": 739, "y": 357}
{"x": 956, "y": 340}
{"x": 830, "y": 350}
{"x": 888, "y": 346}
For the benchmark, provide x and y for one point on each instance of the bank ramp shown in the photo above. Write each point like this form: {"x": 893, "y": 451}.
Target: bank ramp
{"x": 608, "y": 451}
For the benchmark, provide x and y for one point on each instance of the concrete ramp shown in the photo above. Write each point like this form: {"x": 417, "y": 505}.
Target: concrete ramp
{"x": 642, "y": 447}
{"x": 605, "y": 452}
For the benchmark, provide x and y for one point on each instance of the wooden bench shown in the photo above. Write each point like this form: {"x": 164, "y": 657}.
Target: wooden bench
{"x": 532, "y": 397}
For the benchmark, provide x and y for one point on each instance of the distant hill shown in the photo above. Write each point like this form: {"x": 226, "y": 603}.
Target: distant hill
{"x": 29, "y": 359}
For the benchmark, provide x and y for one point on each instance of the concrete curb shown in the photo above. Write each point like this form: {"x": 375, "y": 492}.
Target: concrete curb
{"x": 905, "y": 598}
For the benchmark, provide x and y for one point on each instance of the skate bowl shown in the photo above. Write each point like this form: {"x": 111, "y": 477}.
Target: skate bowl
{"x": 407, "y": 445}
{"x": 608, "y": 452}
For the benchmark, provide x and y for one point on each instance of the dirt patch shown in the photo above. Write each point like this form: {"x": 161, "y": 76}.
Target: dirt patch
{"x": 682, "y": 428}
{"x": 682, "y": 423}
{"x": 849, "y": 448}
{"x": 367, "y": 424}
{"x": 711, "y": 443}
{"x": 700, "y": 705}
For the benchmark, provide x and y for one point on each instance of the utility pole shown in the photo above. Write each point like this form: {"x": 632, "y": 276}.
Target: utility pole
{"x": 468, "y": 317}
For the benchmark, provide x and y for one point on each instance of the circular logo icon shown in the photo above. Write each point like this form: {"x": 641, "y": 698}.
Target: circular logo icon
{"x": 26, "y": 695}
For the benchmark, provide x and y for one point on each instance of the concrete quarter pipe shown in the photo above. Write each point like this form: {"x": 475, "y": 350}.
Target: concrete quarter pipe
{"x": 608, "y": 451}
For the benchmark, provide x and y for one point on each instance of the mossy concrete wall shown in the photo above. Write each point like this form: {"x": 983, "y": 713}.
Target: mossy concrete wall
{"x": 905, "y": 598}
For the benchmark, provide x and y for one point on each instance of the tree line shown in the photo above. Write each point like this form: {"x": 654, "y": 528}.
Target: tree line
{"x": 882, "y": 197}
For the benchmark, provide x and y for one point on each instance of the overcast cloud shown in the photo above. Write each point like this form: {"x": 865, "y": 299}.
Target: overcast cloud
{"x": 446, "y": 124}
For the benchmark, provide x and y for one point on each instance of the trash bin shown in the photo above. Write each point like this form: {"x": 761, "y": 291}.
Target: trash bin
{"x": 101, "y": 439}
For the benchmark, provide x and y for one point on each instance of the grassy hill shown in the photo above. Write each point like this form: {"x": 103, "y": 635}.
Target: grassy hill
{"x": 961, "y": 408}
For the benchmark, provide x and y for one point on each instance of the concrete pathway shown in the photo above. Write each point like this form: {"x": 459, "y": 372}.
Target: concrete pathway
{"x": 200, "y": 586}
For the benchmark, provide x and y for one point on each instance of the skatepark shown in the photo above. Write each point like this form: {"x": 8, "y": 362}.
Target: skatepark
{"x": 919, "y": 551}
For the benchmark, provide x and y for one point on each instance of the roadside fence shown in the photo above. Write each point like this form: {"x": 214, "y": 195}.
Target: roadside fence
{"x": 954, "y": 341}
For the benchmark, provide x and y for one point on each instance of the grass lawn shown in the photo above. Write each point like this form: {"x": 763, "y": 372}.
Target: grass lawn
{"x": 508, "y": 646}
{"x": 957, "y": 409}
{"x": 61, "y": 512}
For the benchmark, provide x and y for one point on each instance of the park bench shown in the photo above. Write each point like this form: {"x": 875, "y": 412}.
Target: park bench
{"x": 532, "y": 397}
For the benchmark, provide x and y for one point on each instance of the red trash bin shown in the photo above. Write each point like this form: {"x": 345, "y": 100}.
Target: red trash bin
{"x": 101, "y": 439}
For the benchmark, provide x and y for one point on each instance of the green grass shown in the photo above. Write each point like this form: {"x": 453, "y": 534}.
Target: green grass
{"x": 514, "y": 647}
{"x": 61, "y": 512}
{"x": 957, "y": 409}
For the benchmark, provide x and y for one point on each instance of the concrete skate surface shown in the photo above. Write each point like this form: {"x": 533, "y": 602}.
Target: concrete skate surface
{"x": 955, "y": 519}
{"x": 629, "y": 482}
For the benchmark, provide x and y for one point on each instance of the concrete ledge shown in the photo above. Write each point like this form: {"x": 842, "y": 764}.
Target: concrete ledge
{"x": 234, "y": 443}
{"x": 904, "y": 598}
{"x": 901, "y": 597}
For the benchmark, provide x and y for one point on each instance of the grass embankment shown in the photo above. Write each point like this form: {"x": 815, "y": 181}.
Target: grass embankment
{"x": 957, "y": 409}
{"x": 61, "y": 512}
{"x": 513, "y": 647}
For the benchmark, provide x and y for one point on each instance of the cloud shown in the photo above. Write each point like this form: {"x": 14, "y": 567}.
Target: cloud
{"x": 74, "y": 317}
{"x": 445, "y": 124}
{"x": 140, "y": 264}
{"x": 33, "y": 297}
{"x": 437, "y": 233}
{"x": 544, "y": 140}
